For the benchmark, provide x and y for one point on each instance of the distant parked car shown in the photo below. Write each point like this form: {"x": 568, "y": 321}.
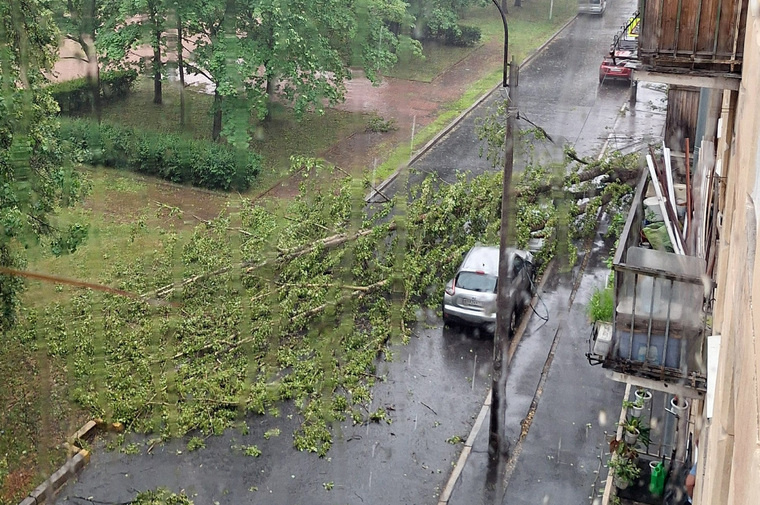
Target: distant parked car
{"x": 596, "y": 7}
{"x": 470, "y": 297}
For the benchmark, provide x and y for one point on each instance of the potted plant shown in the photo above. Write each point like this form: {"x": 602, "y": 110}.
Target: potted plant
{"x": 624, "y": 470}
{"x": 644, "y": 395}
{"x": 643, "y": 428}
{"x": 636, "y": 408}
{"x": 635, "y": 430}
{"x": 630, "y": 434}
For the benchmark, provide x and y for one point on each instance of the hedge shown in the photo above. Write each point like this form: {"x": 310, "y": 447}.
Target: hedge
{"x": 171, "y": 157}
{"x": 465, "y": 36}
{"x": 74, "y": 96}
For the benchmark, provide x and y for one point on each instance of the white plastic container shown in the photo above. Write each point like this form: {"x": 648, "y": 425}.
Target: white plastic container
{"x": 603, "y": 339}
{"x": 652, "y": 211}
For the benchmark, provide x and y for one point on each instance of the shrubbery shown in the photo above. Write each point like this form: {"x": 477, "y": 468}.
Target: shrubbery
{"x": 74, "y": 96}
{"x": 171, "y": 157}
{"x": 465, "y": 36}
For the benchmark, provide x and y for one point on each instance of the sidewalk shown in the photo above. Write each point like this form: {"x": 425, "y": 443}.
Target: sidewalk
{"x": 559, "y": 418}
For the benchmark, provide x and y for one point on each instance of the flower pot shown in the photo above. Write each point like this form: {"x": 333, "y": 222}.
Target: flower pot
{"x": 630, "y": 437}
{"x": 637, "y": 410}
{"x": 679, "y": 405}
{"x": 620, "y": 482}
{"x": 644, "y": 395}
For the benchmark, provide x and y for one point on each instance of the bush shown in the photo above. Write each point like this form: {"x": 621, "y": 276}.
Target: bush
{"x": 75, "y": 96}
{"x": 72, "y": 96}
{"x": 377, "y": 124}
{"x": 116, "y": 84}
{"x": 601, "y": 305}
{"x": 170, "y": 157}
{"x": 463, "y": 36}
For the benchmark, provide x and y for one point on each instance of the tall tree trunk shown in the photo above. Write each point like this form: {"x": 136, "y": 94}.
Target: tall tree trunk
{"x": 157, "y": 95}
{"x": 93, "y": 75}
{"x": 181, "y": 68}
{"x": 270, "y": 95}
{"x": 87, "y": 40}
{"x": 504, "y": 6}
{"x": 217, "y": 127}
{"x": 518, "y": 3}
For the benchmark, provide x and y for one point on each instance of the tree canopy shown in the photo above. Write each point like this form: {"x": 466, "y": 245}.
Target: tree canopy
{"x": 33, "y": 179}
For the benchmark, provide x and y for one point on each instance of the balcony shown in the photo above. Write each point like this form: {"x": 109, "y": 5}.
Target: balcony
{"x": 692, "y": 42}
{"x": 657, "y": 335}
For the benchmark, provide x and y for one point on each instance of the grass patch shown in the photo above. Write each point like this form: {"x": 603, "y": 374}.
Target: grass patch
{"x": 278, "y": 140}
{"x": 128, "y": 217}
{"x": 529, "y": 27}
{"x": 601, "y": 305}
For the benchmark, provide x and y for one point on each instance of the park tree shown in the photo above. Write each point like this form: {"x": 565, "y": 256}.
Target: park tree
{"x": 219, "y": 53}
{"x": 129, "y": 24}
{"x": 305, "y": 48}
{"x": 80, "y": 22}
{"x": 298, "y": 51}
{"x": 34, "y": 181}
{"x": 436, "y": 18}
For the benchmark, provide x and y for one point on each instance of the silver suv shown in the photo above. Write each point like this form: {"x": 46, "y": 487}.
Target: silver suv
{"x": 470, "y": 297}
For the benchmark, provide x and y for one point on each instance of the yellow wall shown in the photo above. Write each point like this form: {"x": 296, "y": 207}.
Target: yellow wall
{"x": 729, "y": 466}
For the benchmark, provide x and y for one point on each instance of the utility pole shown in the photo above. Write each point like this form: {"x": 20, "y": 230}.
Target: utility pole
{"x": 505, "y": 306}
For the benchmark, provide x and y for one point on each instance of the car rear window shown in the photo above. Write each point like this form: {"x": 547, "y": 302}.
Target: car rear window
{"x": 476, "y": 282}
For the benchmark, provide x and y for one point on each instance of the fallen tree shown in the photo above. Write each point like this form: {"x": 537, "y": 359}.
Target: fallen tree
{"x": 268, "y": 309}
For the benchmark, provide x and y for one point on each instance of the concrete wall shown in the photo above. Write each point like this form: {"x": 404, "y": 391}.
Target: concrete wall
{"x": 729, "y": 466}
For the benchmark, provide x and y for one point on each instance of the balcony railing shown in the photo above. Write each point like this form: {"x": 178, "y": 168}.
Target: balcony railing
{"x": 659, "y": 321}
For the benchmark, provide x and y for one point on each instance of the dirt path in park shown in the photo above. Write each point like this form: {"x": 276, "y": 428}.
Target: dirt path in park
{"x": 408, "y": 103}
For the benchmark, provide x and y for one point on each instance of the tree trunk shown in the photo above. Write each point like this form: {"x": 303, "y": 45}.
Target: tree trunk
{"x": 270, "y": 95}
{"x": 217, "y": 127}
{"x": 518, "y": 3}
{"x": 157, "y": 95}
{"x": 181, "y": 69}
{"x": 504, "y": 6}
{"x": 87, "y": 40}
{"x": 619, "y": 174}
{"x": 93, "y": 76}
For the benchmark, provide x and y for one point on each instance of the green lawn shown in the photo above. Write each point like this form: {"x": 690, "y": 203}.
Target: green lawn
{"x": 529, "y": 26}
{"x": 277, "y": 140}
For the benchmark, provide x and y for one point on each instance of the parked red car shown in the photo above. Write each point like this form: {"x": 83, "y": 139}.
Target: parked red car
{"x": 614, "y": 69}
{"x": 617, "y": 65}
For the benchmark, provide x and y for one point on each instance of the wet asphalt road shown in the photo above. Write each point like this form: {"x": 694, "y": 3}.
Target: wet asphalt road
{"x": 436, "y": 384}
{"x": 559, "y": 91}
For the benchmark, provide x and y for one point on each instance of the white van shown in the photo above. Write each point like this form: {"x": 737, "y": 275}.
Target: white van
{"x": 595, "y": 7}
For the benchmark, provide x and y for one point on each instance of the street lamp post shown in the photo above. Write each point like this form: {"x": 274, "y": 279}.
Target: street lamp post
{"x": 505, "y": 306}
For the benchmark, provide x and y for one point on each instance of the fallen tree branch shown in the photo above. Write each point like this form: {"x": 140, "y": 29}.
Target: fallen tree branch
{"x": 250, "y": 266}
{"x": 210, "y": 223}
{"x": 620, "y": 173}
{"x": 358, "y": 293}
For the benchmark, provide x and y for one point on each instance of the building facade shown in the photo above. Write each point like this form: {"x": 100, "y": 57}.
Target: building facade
{"x": 728, "y": 469}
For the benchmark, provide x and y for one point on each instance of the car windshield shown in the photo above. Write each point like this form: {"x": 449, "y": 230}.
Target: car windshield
{"x": 476, "y": 282}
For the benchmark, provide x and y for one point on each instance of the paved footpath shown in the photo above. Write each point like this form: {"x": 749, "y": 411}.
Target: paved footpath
{"x": 566, "y": 409}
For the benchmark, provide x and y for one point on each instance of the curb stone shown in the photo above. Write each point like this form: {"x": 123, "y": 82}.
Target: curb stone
{"x": 74, "y": 464}
{"x": 377, "y": 190}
